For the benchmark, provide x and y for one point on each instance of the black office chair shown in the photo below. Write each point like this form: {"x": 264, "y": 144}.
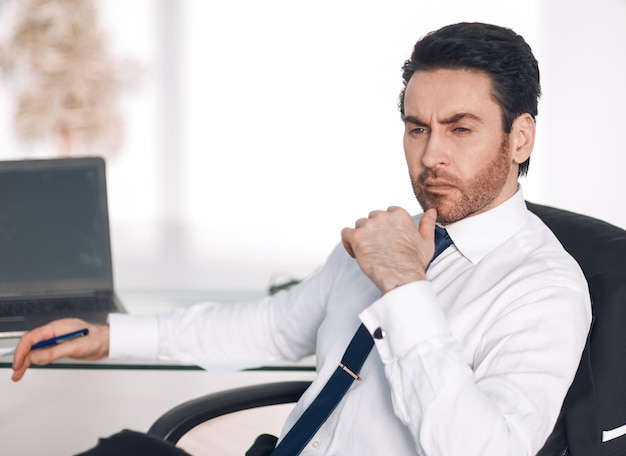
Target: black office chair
{"x": 596, "y": 401}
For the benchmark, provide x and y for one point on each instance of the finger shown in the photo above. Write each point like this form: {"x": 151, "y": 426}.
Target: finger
{"x": 52, "y": 353}
{"x": 427, "y": 224}
{"x": 27, "y": 341}
{"x": 19, "y": 373}
{"x": 375, "y": 213}
{"x": 346, "y": 235}
{"x": 399, "y": 214}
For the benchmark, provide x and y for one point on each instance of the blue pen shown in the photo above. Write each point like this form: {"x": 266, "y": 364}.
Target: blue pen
{"x": 52, "y": 341}
{"x": 59, "y": 339}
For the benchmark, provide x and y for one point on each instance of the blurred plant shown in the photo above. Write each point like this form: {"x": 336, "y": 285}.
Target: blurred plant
{"x": 66, "y": 83}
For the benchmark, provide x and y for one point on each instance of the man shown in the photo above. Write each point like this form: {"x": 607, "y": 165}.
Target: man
{"x": 476, "y": 348}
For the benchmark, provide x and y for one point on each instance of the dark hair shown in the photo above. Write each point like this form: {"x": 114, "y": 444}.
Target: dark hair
{"x": 497, "y": 51}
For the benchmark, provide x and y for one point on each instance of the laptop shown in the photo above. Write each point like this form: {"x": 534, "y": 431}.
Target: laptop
{"x": 55, "y": 251}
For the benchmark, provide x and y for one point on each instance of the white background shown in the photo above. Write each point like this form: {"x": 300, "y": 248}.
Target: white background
{"x": 260, "y": 129}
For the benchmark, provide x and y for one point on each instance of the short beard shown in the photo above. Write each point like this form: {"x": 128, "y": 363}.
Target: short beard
{"x": 475, "y": 194}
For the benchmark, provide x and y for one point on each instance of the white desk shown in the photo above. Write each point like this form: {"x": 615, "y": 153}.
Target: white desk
{"x": 64, "y": 409}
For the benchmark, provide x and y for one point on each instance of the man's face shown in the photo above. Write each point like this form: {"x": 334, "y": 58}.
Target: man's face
{"x": 458, "y": 156}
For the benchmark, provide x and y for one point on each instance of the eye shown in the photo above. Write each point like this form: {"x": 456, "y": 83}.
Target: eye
{"x": 461, "y": 130}
{"x": 418, "y": 131}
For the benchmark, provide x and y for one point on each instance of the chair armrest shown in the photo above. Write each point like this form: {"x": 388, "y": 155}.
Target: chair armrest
{"x": 176, "y": 422}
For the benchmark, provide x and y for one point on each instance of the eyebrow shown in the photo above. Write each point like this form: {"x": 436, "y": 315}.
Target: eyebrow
{"x": 447, "y": 121}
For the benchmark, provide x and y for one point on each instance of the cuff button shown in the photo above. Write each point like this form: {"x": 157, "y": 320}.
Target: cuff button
{"x": 379, "y": 333}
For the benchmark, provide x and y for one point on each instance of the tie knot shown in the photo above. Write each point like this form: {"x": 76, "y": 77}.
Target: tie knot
{"x": 442, "y": 240}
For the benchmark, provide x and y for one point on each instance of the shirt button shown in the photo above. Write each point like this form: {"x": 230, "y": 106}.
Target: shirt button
{"x": 315, "y": 443}
{"x": 379, "y": 333}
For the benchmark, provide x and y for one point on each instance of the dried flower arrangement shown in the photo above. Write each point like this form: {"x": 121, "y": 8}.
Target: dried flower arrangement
{"x": 66, "y": 83}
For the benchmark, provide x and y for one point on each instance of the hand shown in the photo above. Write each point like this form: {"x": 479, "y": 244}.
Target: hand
{"x": 94, "y": 345}
{"x": 389, "y": 248}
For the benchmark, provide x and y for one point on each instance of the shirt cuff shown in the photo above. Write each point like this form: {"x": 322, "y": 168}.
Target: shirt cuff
{"x": 133, "y": 336}
{"x": 403, "y": 318}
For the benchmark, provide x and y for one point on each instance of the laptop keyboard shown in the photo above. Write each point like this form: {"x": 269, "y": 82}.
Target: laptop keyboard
{"x": 69, "y": 306}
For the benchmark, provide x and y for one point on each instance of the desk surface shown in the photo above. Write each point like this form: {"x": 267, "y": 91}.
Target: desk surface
{"x": 58, "y": 412}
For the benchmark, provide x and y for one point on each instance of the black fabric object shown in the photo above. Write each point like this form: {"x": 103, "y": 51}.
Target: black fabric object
{"x": 129, "y": 442}
{"x": 263, "y": 445}
{"x": 337, "y": 386}
{"x": 596, "y": 400}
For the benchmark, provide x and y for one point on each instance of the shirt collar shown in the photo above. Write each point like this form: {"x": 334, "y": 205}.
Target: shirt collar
{"x": 478, "y": 235}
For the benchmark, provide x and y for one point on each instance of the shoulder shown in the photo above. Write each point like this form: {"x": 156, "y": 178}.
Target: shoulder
{"x": 541, "y": 253}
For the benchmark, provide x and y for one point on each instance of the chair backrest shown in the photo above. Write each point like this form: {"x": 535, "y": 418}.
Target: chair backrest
{"x": 593, "y": 418}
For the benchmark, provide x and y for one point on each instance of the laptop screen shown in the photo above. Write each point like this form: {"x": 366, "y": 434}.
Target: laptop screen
{"x": 53, "y": 225}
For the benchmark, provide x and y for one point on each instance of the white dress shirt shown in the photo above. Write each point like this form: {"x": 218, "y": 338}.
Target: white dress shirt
{"x": 474, "y": 361}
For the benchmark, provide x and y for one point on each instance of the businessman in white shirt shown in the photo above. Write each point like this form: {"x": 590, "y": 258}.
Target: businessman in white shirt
{"x": 475, "y": 349}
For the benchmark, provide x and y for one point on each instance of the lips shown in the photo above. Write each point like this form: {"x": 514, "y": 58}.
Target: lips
{"x": 437, "y": 185}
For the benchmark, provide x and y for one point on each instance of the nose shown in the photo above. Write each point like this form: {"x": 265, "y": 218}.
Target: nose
{"x": 435, "y": 151}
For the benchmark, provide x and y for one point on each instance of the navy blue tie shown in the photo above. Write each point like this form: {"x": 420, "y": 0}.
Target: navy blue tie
{"x": 347, "y": 372}
{"x": 442, "y": 240}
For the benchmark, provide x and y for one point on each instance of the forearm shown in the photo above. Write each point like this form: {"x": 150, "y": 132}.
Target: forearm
{"x": 214, "y": 336}
{"x": 224, "y": 336}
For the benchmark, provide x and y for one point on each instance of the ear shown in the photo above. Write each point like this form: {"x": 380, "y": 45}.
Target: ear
{"x": 522, "y": 138}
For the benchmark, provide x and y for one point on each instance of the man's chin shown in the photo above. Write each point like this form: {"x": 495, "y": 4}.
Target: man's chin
{"x": 446, "y": 213}
{"x": 442, "y": 206}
